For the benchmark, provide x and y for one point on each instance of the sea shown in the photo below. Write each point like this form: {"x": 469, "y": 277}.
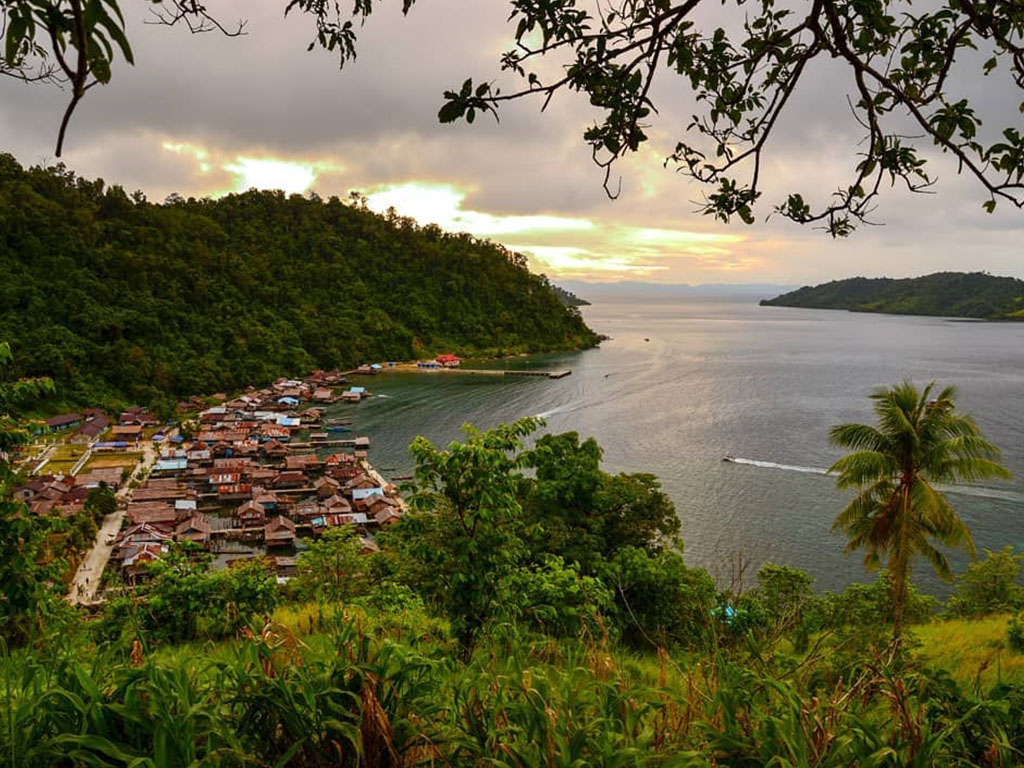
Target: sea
{"x": 684, "y": 382}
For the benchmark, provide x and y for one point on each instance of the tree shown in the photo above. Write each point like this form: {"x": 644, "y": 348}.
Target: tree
{"x": 183, "y": 599}
{"x": 27, "y": 572}
{"x": 741, "y": 74}
{"x": 464, "y": 538}
{"x": 14, "y": 394}
{"x": 557, "y": 599}
{"x": 30, "y": 587}
{"x": 585, "y": 515}
{"x": 330, "y": 568}
{"x": 661, "y": 602}
{"x": 989, "y": 585}
{"x": 785, "y": 596}
{"x": 100, "y": 502}
{"x": 898, "y": 513}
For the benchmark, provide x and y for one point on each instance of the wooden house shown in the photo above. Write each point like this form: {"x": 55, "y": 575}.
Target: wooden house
{"x": 279, "y": 532}
{"x": 291, "y": 479}
{"x": 326, "y": 486}
{"x": 250, "y": 514}
{"x": 195, "y": 529}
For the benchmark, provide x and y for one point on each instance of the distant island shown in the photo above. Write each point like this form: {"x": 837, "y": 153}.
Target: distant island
{"x": 943, "y": 294}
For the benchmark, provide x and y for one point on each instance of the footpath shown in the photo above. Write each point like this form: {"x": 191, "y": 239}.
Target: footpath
{"x": 84, "y": 588}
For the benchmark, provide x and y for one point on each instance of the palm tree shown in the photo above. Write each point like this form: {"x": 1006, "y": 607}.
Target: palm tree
{"x": 920, "y": 441}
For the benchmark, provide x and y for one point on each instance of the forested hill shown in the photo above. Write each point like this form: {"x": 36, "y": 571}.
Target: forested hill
{"x": 121, "y": 299}
{"x": 943, "y": 294}
{"x": 569, "y": 298}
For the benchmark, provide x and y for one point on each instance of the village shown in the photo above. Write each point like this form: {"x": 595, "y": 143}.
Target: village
{"x": 240, "y": 478}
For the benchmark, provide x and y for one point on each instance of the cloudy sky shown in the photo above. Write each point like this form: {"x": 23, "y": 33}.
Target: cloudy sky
{"x": 205, "y": 115}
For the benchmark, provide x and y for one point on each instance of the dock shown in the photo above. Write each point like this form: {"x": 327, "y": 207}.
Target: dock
{"x": 362, "y": 443}
{"x": 549, "y": 374}
{"x": 558, "y": 374}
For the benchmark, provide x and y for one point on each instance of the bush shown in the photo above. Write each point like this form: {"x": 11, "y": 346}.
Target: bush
{"x": 391, "y": 597}
{"x": 866, "y": 607}
{"x": 1015, "y": 634}
{"x": 331, "y": 568}
{"x": 781, "y": 604}
{"x": 989, "y": 586}
{"x": 556, "y": 599}
{"x": 184, "y": 600}
{"x": 660, "y": 600}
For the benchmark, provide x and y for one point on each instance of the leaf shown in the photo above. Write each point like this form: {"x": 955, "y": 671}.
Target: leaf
{"x": 15, "y": 38}
{"x": 451, "y": 111}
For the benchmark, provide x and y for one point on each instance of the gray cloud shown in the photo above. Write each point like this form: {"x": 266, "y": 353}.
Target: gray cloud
{"x": 263, "y": 95}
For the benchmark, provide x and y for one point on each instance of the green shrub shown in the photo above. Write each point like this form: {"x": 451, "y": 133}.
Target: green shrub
{"x": 868, "y": 607}
{"x": 1015, "y": 634}
{"x": 556, "y": 599}
{"x": 989, "y": 586}
{"x": 660, "y": 601}
{"x": 391, "y": 597}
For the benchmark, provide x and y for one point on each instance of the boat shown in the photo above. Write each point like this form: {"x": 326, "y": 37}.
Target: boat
{"x": 338, "y": 428}
{"x": 729, "y": 458}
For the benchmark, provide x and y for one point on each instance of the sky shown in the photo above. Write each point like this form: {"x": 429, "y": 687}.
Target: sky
{"x": 207, "y": 115}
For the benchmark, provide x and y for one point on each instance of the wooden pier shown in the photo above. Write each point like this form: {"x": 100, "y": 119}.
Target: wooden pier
{"x": 549, "y": 374}
{"x": 361, "y": 442}
{"x": 559, "y": 374}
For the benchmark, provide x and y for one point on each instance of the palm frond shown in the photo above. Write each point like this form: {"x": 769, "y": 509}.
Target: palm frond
{"x": 968, "y": 470}
{"x": 863, "y": 467}
{"x": 938, "y": 561}
{"x": 859, "y": 437}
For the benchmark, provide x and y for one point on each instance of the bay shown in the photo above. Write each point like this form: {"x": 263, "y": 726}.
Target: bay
{"x": 683, "y": 383}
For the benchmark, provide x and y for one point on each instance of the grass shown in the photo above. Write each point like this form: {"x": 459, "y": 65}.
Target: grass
{"x": 972, "y": 650}
{"x": 59, "y": 467}
{"x": 63, "y": 459}
{"x": 68, "y": 452}
{"x": 104, "y": 460}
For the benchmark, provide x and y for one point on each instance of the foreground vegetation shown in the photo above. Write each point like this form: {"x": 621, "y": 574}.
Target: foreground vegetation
{"x": 943, "y": 294}
{"x": 378, "y": 680}
{"x": 532, "y": 610}
{"x": 119, "y": 299}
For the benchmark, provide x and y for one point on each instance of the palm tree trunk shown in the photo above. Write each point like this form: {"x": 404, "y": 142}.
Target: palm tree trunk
{"x": 899, "y": 565}
{"x": 898, "y": 591}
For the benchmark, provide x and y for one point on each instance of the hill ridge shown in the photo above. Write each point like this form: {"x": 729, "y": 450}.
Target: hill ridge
{"x": 120, "y": 299}
{"x": 976, "y": 295}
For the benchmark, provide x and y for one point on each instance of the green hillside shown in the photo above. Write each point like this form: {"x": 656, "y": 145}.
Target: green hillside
{"x": 121, "y": 299}
{"x": 943, "y": 294}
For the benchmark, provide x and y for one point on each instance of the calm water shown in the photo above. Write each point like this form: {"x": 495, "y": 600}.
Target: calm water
{"x": 724, "y": 377}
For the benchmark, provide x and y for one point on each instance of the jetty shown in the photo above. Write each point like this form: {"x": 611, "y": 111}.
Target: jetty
{"x": 561, "y": 374}
{"x": 556, "y": 374}
{"x": 359, "y": 443}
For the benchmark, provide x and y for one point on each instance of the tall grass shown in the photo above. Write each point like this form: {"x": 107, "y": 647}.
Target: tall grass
{"x": 974, "y": 651}
{"x": 354, "y": 689}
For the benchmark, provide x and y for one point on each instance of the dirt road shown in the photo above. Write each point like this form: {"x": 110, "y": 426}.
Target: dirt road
{"x": 84, "y": 587}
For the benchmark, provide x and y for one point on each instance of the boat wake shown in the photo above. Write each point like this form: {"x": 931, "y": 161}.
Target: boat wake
{"x": 963, "y": 490}
{"x": 553, "y": 411}
{"x": 773, "y": 465}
